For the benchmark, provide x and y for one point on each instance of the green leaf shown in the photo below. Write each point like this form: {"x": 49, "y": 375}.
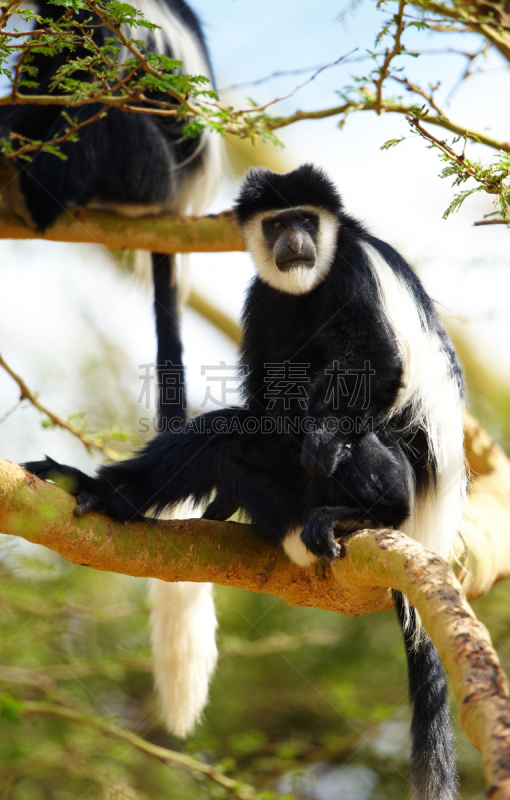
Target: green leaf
{"x": 391, "y": 143}
{"x": 10, "y": 708}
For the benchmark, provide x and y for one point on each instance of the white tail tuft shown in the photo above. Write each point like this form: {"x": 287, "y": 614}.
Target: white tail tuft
{"x": 184, "y": 649}
{"x": 183, "y": 622}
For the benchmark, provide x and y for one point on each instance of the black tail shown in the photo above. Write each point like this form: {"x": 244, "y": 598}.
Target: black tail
{"x": 172, "y": 402}
{"x": 433, "y": 771}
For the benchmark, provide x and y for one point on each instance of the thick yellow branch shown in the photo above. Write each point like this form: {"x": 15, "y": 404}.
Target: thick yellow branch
{"x": 230, "y": 554}
{"x": 162, "y": 234}
{"x": 185, "y": 550}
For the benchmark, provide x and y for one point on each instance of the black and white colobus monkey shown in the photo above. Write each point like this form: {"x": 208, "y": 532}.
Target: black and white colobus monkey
{"x": 133, "y": 164}
{"x": 334, "y": 303}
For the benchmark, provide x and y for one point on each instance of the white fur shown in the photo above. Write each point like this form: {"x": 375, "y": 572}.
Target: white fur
{"x": 432, "y": 393}
{"x": 297, "y": 280}
{"x": 296, "y": 549}
{"x": 184, "y": 648}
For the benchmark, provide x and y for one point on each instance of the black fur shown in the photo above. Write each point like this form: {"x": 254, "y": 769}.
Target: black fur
{"x": 300, "y": 473}
{"x": 432, "y": 741}
{"x": 264, "y": 190}
{"x": 124, "y": 158}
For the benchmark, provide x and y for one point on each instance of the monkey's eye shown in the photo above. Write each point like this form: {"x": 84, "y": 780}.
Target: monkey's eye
{"x": 307, "y": 222}
{"x": 277, "y": 224}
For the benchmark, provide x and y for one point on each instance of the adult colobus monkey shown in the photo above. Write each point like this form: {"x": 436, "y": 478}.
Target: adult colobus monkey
{"x": 136, "y": 165}
{"x": 133, "y": 164}
{"x": 376, "y": 434}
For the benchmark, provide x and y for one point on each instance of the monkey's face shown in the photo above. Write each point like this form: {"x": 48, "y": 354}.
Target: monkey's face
{"x": 291, "y": 237}
{"x": 293, "y": 249}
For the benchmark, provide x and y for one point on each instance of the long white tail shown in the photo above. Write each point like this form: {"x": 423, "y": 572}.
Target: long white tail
{"x": 184, "y": 650}
{"x": 183, "y": 622}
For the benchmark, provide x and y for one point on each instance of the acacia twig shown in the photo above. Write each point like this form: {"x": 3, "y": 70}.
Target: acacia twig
{"x": 390, "y": 107}
{"x": 47, "y": 678}
{"x": 34, "y": 147}
{"x": 481, "y": 222}
{"x": 163, "y": 754}
{"x": 397, "y": 48}
{"x": 257, "y": 109}
{"x": 27, "y": 394}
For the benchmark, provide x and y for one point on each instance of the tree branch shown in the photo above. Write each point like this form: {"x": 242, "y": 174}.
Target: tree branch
{"x": 159, "y": 234}
{"x": 210, "y": 551}
{"x": 228, "y": 553}
{"x": 163, "y": 754}
{"x": 390, "y": 107}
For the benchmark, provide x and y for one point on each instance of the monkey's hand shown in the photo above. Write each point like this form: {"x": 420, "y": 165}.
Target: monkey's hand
{"x": 323, "y": 450}
{"x": 320, "y": 534}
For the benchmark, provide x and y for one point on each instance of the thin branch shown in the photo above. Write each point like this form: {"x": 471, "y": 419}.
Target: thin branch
{"x": 491, "y": 184}
{"x": 397, "y": 48}
{"x": 8, "y": 10}
{"x": 415, "y": 89}
{"x": 27, "y": 394}
{"x": 47, "y": 678}
{"x": 480, "y": 222}
{"x": 141, "y": 58}
{"x": 257, "y": 109}
{"x": 61, "y": 100}
{"x": 160, "y": 753}
{"x": 390, "y": 107}
{"x": 284, "y": 73}
{"x": 33, "y": 147}
{"x": 465, "y": 15}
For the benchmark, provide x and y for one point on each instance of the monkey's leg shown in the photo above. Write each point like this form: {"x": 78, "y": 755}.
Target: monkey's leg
{"x": 170, "y": 468}
{"x": 248, "y": 471}
{"x": 221, "y": 508}
{"x": 433, "y": 771}
{"x": 255, "y": 475}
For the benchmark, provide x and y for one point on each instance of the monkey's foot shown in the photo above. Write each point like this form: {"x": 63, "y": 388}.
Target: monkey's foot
{"x": 221, "y": 508}
{"x": 92, "y": 494}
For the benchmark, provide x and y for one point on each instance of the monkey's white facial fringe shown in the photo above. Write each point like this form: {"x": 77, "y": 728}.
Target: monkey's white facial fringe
{"x": 183, "y": 622}
{"x": 297, "y": 280}
{"x": 431, "y": 392}
{"x": 296, "y": 549}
